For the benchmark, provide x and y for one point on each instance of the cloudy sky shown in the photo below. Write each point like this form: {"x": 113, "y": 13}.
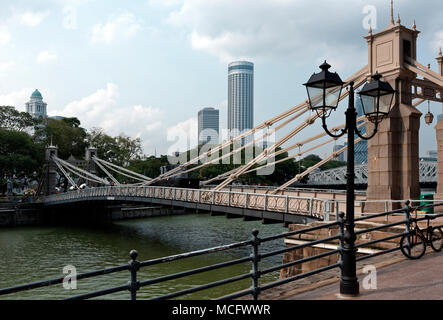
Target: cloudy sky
{"x": 145, "y": 67}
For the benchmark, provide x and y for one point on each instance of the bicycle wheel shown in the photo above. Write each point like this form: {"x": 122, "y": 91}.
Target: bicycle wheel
{"x": 436, "y": 239}
{"x": 413, "y": 245}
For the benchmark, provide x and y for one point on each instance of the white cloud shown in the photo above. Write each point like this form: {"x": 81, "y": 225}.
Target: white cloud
{"x": 270, "y": 29}
{"x": 31, "y": 19}
{"x": 5, "y": 35}
{"x": 117, "y": 28}
{"x": 101, "y": 109}
{"x": 183, "y": 136}
{"x": 45, "y": 57}
{"x": 164, "y": 3}
{"x": 16, "y": 98}
{"x": 4, "y": 66}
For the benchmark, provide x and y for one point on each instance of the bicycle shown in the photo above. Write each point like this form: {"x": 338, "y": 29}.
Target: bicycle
{"x": 413, "y": 244}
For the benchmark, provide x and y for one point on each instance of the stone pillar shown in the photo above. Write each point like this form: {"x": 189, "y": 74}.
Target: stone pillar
{"x": 439, "y": 135}
{"x": 50, "y": 181}
{"x": 393, "y": 154}
{"x": 90, "y": 164}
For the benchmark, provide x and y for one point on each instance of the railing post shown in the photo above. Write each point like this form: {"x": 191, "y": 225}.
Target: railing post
{"x": 246, "y": 200}
{"x": 408, "y": 222}
{"x": 337, "y": 212}
{"x": 134, "y": 265}
{"x": 386, "y": 210}
{"x": 213, "y": 197}
{"x": 255, "y": 273}
{"x": 310, "y": 207}
{"x": 327, "y": 209}
{"x": 287, "y": 204}
{"x": 229, "y": 198}
{"x": 265, "y": 203}
{"x": 341, "y": 230}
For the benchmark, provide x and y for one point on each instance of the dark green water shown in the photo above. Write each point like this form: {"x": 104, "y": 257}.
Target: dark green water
{"x": 37, "y": 253}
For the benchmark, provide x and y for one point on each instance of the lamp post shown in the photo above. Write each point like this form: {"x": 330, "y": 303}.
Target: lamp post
{"x": 324, "y": 89}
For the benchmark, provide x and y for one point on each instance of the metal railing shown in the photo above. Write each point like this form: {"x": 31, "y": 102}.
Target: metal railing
{"x": 256, "y": 256}
{"x": 312, "y": 207}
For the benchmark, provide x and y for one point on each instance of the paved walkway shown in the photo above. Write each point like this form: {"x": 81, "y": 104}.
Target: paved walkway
{"x": 405, "y": 280}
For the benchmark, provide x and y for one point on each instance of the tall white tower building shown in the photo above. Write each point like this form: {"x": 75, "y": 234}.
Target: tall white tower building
{"x": 36, "y": 107}
{"x": 240, "y": 97}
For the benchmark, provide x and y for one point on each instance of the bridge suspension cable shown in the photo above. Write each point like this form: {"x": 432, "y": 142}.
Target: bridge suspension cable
{"x": 308, "y": 171}
{"x": 261, "y": 157}
{"x": 67, "y": 176}
{"x": 356, "y": 76}
{"x": 120, "y": 170}
{"x": 251, "y": 143}
{"x": 80, "y": 172}
{"x": 106, "y": 172}
{"x": 293, "y": 146}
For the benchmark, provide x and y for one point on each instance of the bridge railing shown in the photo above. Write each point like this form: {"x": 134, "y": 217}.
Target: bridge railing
{"x": 134, "y": 286}
{"x": 313, "y": 207}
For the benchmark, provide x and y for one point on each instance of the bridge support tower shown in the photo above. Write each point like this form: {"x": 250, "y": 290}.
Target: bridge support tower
{"x": 50, "y": 176}
{"x": 393, "y": 154}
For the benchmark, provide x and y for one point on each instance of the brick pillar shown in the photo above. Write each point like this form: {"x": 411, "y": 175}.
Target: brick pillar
{"x": 393, "y": 155}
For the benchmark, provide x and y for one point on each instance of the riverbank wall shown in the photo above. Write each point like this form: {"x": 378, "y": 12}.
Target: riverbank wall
{"x": 11, "y": 216}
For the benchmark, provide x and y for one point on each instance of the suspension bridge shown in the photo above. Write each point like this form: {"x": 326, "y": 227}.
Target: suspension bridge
{"x": 393, "y": 172}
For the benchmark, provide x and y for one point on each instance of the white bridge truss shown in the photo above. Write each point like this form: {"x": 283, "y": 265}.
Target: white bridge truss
{"x": 337, "y": 176}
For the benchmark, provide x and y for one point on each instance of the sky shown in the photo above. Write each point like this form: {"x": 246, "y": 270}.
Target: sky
{"x": 144, "y": 68}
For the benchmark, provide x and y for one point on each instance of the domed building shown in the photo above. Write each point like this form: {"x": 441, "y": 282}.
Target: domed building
{"x": 36, "y": 107}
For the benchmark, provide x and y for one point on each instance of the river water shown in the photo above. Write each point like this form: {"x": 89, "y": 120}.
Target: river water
{"x": 30, "y": 254}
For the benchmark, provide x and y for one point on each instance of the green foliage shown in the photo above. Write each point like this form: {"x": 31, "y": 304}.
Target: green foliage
{"x": 149, "y": 166}
{"x": 68, "y": 136}
{"x": 19, "y": 154}
{"x": 119, "y": 150}
{"x": 12, "y": 119}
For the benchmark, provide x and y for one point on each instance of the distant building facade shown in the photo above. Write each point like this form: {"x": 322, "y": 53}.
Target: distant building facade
{"x": 240, "y": 97}
{"x": 208, "y": 126}
{"x": 361, "y": 148}
{"x": 341, "y": 156}
{"x": 36, "y": 107}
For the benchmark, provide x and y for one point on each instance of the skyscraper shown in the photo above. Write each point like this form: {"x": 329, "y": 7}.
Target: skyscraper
{"x": 361, "y": 148}
{"x": 36, "y": 107}
{"x": 240, "y": 97}
{"x": 208, "y": 126}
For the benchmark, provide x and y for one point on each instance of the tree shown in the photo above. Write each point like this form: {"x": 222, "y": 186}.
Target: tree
{"x": 68, "y": 136}
{"x": 12, "y": 119}
{"x": 119, "y": 150}
{"x": 19, "y": 155}
{"x": 150, "y": 166}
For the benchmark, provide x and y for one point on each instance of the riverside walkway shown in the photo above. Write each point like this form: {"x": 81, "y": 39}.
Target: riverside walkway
{"x": 400, "y": 279}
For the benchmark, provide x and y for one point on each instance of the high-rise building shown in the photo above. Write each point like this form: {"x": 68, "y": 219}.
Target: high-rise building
{"x": 361, "y": 148}
{"x": 240, "y": 97}
{"x": 36, "y": 107}
{"x": 208, "y": 126}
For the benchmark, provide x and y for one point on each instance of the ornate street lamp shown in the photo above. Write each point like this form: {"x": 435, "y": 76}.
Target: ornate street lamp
{"x": 324, "y": 89}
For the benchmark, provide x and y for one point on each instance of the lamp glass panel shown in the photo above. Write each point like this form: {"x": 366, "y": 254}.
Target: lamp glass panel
{"x": 385, "y": 103}
{"x": 333, "y": 96}
{"x": 315, "y": 96}
{"x": 369, "y": 104}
